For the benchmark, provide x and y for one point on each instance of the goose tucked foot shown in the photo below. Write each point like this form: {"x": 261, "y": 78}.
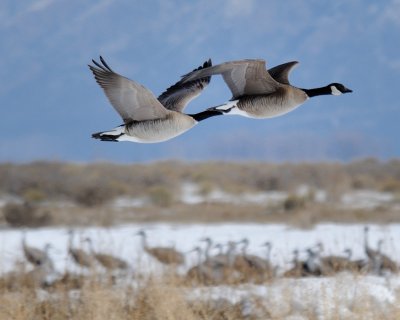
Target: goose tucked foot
{"x": 224, "y": 108}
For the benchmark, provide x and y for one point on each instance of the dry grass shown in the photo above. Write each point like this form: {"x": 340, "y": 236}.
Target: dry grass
{"x": 166, "y": 297}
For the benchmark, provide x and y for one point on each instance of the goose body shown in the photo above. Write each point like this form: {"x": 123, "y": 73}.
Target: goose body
{"x": 258, "y": 93}
{"x": 148, "y": 119}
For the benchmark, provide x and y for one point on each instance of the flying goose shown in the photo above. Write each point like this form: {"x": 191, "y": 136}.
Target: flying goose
{"x": 146, "y": 118}
{"x": 258, "y": 93}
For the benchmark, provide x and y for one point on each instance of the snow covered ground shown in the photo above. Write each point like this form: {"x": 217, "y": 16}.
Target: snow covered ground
{"x": 284, "y": 296}
{"x": 122, "y": 240}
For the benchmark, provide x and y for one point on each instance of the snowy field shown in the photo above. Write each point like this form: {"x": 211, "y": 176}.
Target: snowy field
{"x": 285, "y": 296}
{"x": 122, "y": 241}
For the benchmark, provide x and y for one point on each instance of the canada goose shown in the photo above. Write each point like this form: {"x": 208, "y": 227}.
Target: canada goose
{"x": 35, "y": 256}
{"x": 108, "y": 261}
{"x": 146, "y": 118}
{"x": 164, "y": 255}
{"x": 79, "y": 256}
{"x": 258, "y": 93}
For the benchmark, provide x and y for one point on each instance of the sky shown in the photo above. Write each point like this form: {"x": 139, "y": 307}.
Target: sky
{"x": 51, "y": 104}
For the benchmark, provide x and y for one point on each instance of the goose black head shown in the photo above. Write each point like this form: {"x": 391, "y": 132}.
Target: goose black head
{"x": 338, "y": 89}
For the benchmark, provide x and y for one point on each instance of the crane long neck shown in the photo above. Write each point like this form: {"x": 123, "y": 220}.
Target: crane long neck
{"x": 207, "y": 251}
{"x": 366, "y": 247}
{"x": 91, "y": 248}
{"x": 144, "y": 242}
{"x": 70, "y": 241}
{"x": 268, "y": 251}
{"x": 199, "y": 254}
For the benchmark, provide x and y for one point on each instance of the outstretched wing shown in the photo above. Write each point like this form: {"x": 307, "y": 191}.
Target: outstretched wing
{"x": 281, "y": 72}
{"x": 177, "y": 96}
{"x": 130, "y": 99}
{"x": 243, "y": 77}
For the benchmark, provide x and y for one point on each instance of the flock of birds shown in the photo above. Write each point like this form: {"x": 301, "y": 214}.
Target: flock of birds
{"x": 233, "y": 265}
{"x": 256, "y": 93}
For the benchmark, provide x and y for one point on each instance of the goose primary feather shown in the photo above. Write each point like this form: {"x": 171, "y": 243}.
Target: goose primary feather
{"x": 146, "y": 118}
{"x": 258, "y": 93}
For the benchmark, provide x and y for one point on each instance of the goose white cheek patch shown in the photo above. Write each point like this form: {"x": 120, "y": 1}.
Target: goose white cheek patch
{"x": 335, "y": 91}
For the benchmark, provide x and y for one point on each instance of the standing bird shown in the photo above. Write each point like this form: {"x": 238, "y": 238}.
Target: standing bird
{"x": 79, "y": 256}
{"x": 35, "y": 256}
{"x": 216, "y": 259}
{"x": 165, "y": 255}
{"x": 298, "y": 268}
{"x": 205, "y": 273}
{"x": 378, "y": 262}
{"x": 258, "y": 93}
{"x": 108, "y": 261}
{"x": 146, "y": 118}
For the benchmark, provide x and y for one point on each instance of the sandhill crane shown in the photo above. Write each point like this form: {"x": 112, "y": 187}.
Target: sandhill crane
{"x": 35, "y": 256}
{"x": 312, "y": 266}
{"x": 204, "y": 273}
{"x": 219, "y": 258}
{"x": 354, "y": 265}
{"x": 297, "y": 270}
{"x": 79, "y": 256}
{"x": 251, "y": 266}
{"x": 108, "y": 261}
{"x": 215, "y": 271}
{"x": 379, "y": 262}
{"x": 332, "y": 263}
{"x": 165, "y": 255}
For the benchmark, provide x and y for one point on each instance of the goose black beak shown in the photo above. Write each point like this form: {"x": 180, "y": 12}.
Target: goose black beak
{"x": 347, "y": 90}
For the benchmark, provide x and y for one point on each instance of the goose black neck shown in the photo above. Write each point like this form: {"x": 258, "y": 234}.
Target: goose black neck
{"x": 318, "y": 91}
{"x": 205, "y": 114}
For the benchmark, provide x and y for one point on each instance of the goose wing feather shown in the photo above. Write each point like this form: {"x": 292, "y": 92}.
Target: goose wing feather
{"x": 177, "y": 96}
{"x": 130, "y": 99}
{"x": 243, "y": 77}
{"x": 281, "y": 72}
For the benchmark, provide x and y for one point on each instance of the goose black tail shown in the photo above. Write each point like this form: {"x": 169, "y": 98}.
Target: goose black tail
{"x": 103, "y": 136}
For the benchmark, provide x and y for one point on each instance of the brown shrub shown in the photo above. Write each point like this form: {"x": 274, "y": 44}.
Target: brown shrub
{"x": 161, "y": 196}
{"x": 26, "y": 215}
{"x": 91, "y": 196}
{"x": 294, "y": 202}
